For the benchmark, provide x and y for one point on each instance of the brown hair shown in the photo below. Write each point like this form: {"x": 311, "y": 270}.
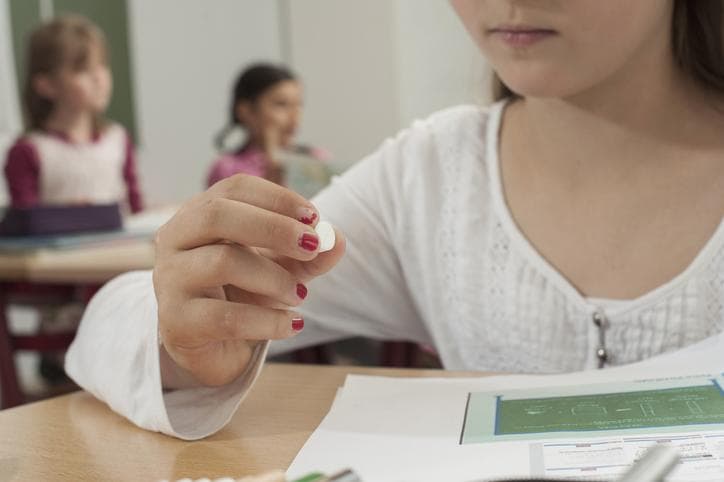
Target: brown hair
{"x": 697, "y": 33}
{"x": 66, "y": 41}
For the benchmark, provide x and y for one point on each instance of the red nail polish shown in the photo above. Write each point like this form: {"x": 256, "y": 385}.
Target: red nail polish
{"x": 308, "y": 217}
{"x": 298, "y": 324}
{"x": 301, "y": 291}
{"x": 309, "y": 242}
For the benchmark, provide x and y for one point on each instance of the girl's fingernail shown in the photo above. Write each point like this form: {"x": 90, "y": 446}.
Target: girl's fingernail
{"x": 298, "y": 324}
{"x": 301, "y": 291}
{"x": 306, "y": 216}
{"x": 308, "y": 242}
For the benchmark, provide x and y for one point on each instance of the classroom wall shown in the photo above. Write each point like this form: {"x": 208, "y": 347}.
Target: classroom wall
{"x": 373, "y": 67}
{"x": 186, "y": 55}
{"x": 346, "y": 53}
{"x": 10, "y": 123}
{"x": 439, "y": 65}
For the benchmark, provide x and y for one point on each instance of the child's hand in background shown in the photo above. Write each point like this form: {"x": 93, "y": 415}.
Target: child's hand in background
{"x": 271, "y": 140}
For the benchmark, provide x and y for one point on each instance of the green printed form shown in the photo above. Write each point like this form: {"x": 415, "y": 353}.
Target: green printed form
{"x": 631, "y": 409}
{"x": 610, "y": 411}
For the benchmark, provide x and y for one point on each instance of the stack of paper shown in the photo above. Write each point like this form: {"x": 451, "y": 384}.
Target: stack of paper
{"x": 584, "y": 426}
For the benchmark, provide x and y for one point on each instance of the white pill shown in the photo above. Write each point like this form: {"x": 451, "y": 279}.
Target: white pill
{"x": 325, "y": 231}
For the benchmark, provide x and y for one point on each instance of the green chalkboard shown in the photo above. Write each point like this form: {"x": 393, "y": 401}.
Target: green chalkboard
{"x": 24, "y": 16}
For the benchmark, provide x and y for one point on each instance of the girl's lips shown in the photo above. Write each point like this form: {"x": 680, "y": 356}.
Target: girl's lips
{"x": 519, "y": 37}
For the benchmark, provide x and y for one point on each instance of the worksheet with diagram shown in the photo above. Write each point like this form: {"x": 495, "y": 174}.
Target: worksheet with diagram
{"x": 581, "y": 426}
{"x": 635, "y": 407}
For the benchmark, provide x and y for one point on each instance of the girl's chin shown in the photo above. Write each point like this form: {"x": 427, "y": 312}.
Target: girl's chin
{"x": 542, "y": 91}
{"x": 98, "y": 109}
{"x": 546, "y": 84}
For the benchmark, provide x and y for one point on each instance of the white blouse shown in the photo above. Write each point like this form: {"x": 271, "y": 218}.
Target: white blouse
{"x": 433, "y": 256}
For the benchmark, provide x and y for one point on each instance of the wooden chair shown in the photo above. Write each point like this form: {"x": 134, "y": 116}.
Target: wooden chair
{"x": 31, "y": 295}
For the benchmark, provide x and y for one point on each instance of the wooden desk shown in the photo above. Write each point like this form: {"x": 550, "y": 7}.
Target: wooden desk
{"x": 92, "y": 263}
{"x": 86, "y": 264}
{"x": 75, "y": 437}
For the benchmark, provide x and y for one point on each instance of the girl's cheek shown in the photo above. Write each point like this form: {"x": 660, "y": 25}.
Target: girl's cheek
{"x": 271, "y": 119}
{"x": 281, "y": 117}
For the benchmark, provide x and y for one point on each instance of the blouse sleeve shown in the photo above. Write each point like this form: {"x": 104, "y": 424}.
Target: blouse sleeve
{"x": 116, "y": 354}
{"x": 22, "y": 174}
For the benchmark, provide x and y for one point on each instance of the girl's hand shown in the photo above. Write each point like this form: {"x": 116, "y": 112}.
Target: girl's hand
{"x": 230, "y": 267}
{"x": 271, "y": 141}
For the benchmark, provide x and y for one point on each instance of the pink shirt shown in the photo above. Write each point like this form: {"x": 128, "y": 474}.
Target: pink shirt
{"x": 253, "y": 161}
{"x": 248, "y": 160}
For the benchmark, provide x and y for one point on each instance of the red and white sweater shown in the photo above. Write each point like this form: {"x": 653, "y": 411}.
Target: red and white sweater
{"x": 47, "y": 168}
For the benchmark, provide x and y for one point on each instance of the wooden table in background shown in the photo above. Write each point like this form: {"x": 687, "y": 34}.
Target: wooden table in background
{"x": 76, "y": 437}
{"x": 84, "y": 264}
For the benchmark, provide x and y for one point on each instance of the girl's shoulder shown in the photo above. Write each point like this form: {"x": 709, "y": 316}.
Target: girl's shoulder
{"x": 113, "y": 131}
{"x": 434, "y": 153}
{"x": 244, "y": 155}
{"x": 224, "y": 158}
{"x": 238, "y": 156}
{"x": 109, "y": 132}
{"x": 22, "y": 148}
{"x": 22, "y": 142}
{"x": 460, "y": 115}
{"x": 243, "y": 161}
{"x": 449, "y": 135}
{"x": 460, "y": 127}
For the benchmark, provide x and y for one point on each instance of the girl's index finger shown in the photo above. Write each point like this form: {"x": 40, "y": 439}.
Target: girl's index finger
{"x": 266, "y": 195}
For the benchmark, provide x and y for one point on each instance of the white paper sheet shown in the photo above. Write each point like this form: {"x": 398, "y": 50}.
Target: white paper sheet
{"x": 392, "y": 429}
